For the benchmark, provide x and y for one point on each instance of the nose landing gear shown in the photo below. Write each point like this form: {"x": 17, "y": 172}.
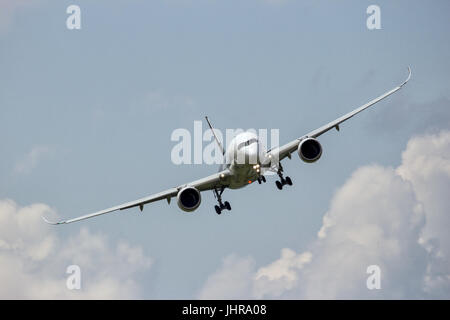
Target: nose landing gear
{"x": 261, "y": 178}
{"x": 221, "y": 206}
{"x": 283, "y": 181}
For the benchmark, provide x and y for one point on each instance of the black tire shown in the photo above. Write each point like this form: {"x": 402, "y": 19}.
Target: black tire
{"x": 263, "y": 179}
{"x": 227, "y": 205}
{"x": 259, "y": 180}
{"x": 289, "y": 181}
{"x": 279, "y": 185}
{"x": 218, "y": 210}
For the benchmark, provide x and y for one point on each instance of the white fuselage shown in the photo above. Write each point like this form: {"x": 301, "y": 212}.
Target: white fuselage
{"x": 243, "y": 157}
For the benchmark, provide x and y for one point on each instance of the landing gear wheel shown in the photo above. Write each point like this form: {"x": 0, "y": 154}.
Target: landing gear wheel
{"x": 289, "y": 181}
{"x": 279, "y": 185}
{"x": 227, "y": 205}
{"x": 263, "y": 179}
{"x": 218, "y": 210}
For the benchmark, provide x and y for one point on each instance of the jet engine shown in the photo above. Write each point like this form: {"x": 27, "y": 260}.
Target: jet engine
{"x": 189, "y": 199}
{"x": 309, "y": 150}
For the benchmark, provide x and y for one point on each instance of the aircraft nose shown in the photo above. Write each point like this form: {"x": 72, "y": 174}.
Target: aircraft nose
{"x": 251, "y": 154}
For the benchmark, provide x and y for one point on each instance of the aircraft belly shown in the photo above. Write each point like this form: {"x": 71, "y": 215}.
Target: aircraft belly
{"x": 241, "y": 176}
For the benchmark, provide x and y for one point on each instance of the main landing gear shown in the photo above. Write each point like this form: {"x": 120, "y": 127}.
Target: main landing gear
{"x": 221, "y": 206}
{"x": 283, "y": 181}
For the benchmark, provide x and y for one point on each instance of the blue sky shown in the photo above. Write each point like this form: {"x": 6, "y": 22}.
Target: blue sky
{"x": 86, "y": 115}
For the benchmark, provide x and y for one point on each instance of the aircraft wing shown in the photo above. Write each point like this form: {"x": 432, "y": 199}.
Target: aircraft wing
{"x": 207, "y": 183}
{"x": 286, "y": 150}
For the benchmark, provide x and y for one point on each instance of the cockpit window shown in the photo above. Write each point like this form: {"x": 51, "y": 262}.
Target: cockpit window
{"x": 247, "y": 143}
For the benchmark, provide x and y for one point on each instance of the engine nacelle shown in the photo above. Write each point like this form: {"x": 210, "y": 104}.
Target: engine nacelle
{"x": 189, "y": 199}
{"x": 309, "y": 150}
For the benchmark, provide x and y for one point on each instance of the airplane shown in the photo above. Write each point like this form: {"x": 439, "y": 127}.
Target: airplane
{"x": 246, "y": 162}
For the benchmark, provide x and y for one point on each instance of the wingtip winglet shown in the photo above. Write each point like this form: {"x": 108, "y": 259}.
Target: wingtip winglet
{"x": 51, "y": 222}
{"x": 407, "y": 79}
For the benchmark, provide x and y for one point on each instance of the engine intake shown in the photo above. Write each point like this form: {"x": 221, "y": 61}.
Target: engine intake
{"x": 189, "y": 199}
{"x": 309, "y": 150}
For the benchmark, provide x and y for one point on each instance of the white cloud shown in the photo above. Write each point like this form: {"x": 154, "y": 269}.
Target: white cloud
{"x": 280, "y": 275}
{"x": 231, "y": 281}
{"x": 373, "y": 219}
{"x": 394, "y": 218}
{"x": 34, "y": 259}
{"x": 426, "y": 164}
{"x": 31, "y": 159}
